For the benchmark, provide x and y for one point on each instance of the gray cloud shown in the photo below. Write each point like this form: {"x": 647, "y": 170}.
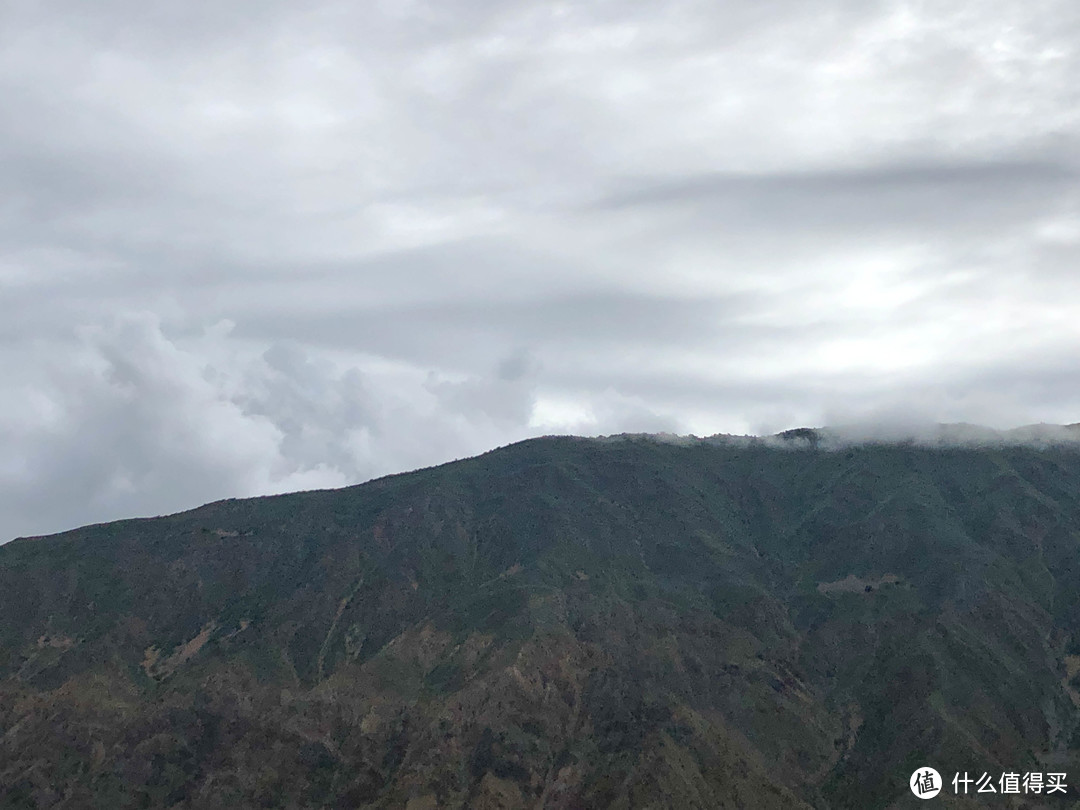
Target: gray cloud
{"x": 943, "y": 196}
{"x": 453, "y": 333}
{"x": 251, "y": 247}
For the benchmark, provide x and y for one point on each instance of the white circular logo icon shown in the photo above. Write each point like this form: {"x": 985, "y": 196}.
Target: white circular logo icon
{"x": 925, "y": 783}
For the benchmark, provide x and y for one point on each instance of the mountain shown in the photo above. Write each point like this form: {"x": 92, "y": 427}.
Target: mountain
{"x": 798, "y": 622}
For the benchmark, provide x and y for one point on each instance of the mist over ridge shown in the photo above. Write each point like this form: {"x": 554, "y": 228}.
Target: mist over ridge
{"x": 924, "y": 434}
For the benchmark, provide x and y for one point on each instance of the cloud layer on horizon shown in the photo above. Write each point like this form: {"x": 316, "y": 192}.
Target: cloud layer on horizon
{"x": 253, "y": 247}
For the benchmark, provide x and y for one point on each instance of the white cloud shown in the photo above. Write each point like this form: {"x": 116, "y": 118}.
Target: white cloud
{"x": 126, "y": 419}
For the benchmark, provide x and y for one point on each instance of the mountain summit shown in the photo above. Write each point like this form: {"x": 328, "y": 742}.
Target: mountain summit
{"x": 564, "y": 623}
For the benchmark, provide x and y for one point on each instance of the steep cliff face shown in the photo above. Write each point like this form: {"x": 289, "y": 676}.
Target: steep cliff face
{"x": 561, "y": 623}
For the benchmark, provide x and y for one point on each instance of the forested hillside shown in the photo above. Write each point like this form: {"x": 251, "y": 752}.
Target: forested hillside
{"x": 562, "y": 623}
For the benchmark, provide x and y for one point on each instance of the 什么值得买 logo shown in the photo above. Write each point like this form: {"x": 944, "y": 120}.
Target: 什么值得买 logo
{"x": 926, "y": 783}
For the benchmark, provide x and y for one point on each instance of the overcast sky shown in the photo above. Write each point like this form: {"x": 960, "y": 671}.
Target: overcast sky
{"x": 253, "y": 247}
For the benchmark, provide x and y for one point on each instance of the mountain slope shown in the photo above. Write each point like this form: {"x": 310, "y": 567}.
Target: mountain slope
{"x": 560, "y": 623}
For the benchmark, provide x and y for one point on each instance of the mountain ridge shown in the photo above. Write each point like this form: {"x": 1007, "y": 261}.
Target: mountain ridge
{"x": 841, "y": 436}
{"x": 563, "y": 622}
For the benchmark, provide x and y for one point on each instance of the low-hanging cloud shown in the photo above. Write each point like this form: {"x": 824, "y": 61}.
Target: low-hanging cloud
{"x": 127, "y": 419}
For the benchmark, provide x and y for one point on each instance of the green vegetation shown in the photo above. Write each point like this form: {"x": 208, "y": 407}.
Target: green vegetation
{"x": 562, "y": 623}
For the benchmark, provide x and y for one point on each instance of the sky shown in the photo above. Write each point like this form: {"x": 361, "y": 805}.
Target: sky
{"x": 257, "y": 247}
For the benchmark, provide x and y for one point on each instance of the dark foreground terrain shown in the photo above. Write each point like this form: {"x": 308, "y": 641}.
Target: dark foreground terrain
{"x": 563, "y": 623}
